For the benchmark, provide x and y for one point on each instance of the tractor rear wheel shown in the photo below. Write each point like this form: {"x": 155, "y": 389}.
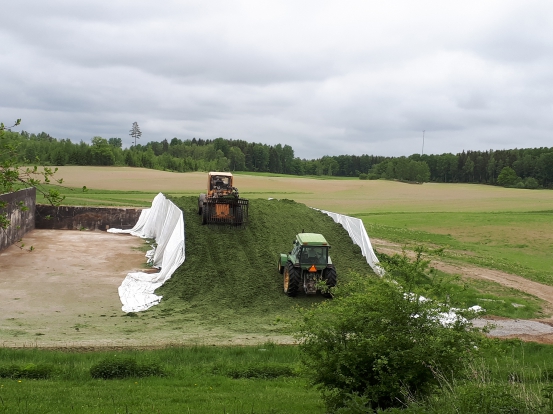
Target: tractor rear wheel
{"x": 330, "y": 277}
{"x": 292, "y": 279}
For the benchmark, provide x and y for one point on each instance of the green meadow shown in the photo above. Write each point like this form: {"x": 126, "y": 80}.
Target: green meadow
{"x": 516, "y": 242}
{"x": 261, "y": 379}
{"x": 511, "y": 377}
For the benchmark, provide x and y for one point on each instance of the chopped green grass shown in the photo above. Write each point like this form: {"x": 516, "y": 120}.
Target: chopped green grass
{"x": 230, "y": 275}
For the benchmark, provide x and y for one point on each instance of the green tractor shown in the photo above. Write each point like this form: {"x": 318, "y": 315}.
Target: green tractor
{"x": 306, "y": 265}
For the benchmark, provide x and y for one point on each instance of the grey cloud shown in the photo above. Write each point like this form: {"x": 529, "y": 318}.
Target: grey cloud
{"x": 315, "y": 75}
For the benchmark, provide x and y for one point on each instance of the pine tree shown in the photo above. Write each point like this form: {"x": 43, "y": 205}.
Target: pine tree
{"x": 135, "y": 132}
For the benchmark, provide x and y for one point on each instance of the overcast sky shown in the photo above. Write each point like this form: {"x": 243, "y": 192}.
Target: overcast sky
{"x": 326, "y": 77}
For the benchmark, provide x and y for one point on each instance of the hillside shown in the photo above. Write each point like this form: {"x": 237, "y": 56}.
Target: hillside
{"x": 229, "y": 278}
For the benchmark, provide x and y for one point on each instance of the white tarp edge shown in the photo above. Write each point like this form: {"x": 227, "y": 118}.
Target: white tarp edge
{"x": 358, "y": 234}
{"x": 164, "y": 223}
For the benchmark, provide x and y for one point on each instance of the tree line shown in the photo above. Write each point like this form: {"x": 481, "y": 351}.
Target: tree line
{"x": 529, "y": 168}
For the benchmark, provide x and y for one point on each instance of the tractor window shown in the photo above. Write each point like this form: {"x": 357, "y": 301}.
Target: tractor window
{"x": 317, "y": 255}
{"x": 219, "y": 181}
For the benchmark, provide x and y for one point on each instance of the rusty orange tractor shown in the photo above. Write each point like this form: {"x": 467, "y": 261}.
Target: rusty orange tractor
{"x": 222, "y": 203}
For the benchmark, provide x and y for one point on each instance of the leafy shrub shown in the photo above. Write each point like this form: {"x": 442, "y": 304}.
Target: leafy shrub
{"x": 121, "y": 367}
{"x": 363, "y": 176}
{"x": 380, "y": 342}
{"x": 29, "y": 371}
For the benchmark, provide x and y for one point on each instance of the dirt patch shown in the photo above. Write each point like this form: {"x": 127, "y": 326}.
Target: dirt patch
{"x": 530, "y": 330}
{"x": 63, "y": 295}
{"x": 71, "y": 277}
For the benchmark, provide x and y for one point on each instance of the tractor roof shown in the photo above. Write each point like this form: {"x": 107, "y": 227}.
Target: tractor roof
{"x": 312, "y": 239}
{"x": 226, "y": 174}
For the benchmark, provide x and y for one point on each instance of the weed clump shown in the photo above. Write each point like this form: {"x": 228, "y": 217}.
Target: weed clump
{"x": 29, "y": 371}
{"x": 547, "y": 375}
{"x": 258, "y": 371}
{"x": 121, "y": 367}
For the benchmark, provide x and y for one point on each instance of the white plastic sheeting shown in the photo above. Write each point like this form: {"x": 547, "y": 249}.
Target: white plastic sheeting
{"x": 164, "y": 223}
{"x": 359, "y": 236}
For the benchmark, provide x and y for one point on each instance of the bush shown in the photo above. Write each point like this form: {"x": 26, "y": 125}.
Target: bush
{"x": 507, "y": 177}
{"x": 363, "y": 176}
{"x": 121, "y": 367}
{"x": 531, "y": 183}
{"x": 29, "y": 371}
{"x": 379, "y": 342}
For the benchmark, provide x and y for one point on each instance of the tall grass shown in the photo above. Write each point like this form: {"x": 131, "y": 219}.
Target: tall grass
{"x": 513, "y": 377}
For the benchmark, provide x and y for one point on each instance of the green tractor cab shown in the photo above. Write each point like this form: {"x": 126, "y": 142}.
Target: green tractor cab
{"x": 306, "y": 265}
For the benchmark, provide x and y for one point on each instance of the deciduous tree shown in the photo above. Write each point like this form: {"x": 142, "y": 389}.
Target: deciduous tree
{"x": 507, "y": 177}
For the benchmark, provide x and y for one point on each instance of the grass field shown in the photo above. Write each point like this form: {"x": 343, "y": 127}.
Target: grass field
{"x": 262, "y": 379}
{"x": 228, "y": 287}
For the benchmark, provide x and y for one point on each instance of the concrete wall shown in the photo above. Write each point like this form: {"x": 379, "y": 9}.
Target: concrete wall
{"x": 20, "y": 221}
{"x": 89, "y": 218}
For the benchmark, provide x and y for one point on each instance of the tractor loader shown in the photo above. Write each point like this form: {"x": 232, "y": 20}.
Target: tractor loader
{"x": 222, "y": 203}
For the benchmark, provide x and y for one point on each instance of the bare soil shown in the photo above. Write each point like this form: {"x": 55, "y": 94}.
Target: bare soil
{"x": 66, "y": 283}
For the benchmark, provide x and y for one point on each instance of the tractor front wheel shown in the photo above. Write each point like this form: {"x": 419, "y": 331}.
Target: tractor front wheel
{"x": 292, "y": 279}
{"x": 201, "y": 201}
{"x": 205, "y": 212}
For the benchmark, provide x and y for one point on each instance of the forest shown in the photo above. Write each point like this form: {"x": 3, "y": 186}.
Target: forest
{"x": 523, "y": 168}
